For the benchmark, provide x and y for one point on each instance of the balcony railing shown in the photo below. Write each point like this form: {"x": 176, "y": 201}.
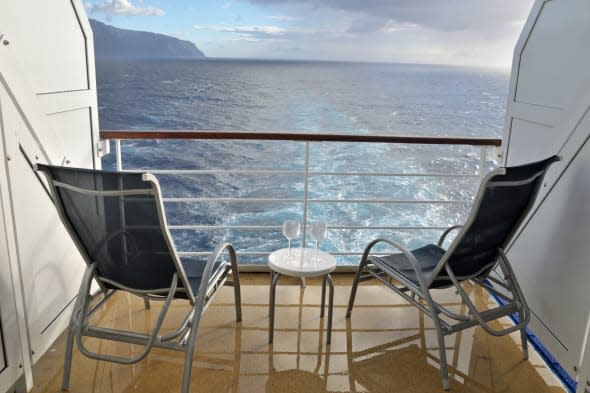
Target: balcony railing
{"x": 332, "y": 177}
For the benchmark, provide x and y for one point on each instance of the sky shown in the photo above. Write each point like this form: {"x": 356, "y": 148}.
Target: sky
{"x": 455, "y": 32}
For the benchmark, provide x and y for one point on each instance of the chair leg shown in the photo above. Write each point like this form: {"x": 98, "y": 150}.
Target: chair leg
{"x": 188, "y": 365}
{"x": 146, "y": 303}
{"x": 355, "y": 284}
{"x": 237, "y": 293}
{"x": 189, "y": 350}
{"x": 65, "y": 383}
{"x": 515, "y": 289}
{"x": 442, "y": 353}
{"x": 444, "y": 369}
{"x": 523, "y": 338}
{"x": 237, "y": 290}
{"x": 74, "y": 326}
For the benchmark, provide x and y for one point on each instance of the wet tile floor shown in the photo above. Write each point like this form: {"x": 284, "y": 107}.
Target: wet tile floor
{"x": 386, "y": 346}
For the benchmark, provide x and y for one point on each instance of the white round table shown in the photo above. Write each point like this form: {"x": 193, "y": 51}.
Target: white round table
{"x": 302, "y": 262}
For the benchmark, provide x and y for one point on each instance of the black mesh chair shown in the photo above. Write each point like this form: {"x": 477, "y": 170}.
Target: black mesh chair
{"x": 117, "y": 222}
{"x": 502, "y": 202}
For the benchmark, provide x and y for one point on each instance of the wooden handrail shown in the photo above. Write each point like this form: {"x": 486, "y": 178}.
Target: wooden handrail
{"x": 296, "y": 136}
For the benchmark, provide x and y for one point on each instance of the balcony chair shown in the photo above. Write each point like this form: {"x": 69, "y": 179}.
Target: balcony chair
{"x": 502, "y": 202}
{"x": 117, "y": 222}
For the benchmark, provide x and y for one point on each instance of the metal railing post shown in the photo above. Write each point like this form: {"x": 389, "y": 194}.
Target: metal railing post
{"x": 119, "y": 166}
{"x": 305, "y": 192}
{"x": 118, "y": 162}
{"x": 482, "y": 161}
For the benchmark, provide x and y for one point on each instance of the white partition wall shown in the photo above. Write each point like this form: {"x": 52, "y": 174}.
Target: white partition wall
{"x": 12, "y": 315}
{"x": 547, "y": 114}
{"x": 10, "y": 337}
{"x": 550, "y": 79}
{"x": 48, "y": 113}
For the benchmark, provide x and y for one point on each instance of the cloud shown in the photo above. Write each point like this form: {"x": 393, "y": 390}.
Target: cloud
{"x": 461, "y": 32}
{"x": 258, "y": 32}
{"x": 283, "y": 18}
{"x": 445, "y": 15}
{"x": 393, "y": 27}
{"x": 122, "y": 7}
{"x": 368, "y": 24}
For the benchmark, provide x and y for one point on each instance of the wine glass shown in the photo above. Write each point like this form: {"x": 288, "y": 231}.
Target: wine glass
{"x": 291, "y": 230}
{"x": 318, "y": 232}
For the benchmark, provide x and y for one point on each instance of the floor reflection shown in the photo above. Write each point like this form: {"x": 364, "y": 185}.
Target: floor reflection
{"x": 386, "y": 346}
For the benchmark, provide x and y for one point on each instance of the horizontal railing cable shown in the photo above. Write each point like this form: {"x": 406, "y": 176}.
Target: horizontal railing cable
{"x": 311, "y": 200}
{"x": 304, "y": 171}
{"x": 278, "y": 227}
{"x": 271, "y": 172}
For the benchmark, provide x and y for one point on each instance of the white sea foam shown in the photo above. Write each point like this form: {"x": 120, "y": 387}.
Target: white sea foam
{"x": 311, "y": 97}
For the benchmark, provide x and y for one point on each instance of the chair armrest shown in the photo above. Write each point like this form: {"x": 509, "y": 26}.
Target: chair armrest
{"x": 442, "y": 238}
{"x": 408, "y": 254}
{"x": 202, "y": 294}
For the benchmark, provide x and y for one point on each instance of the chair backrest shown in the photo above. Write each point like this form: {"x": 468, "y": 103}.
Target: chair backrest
{"x": 117, "y": 222}
{"x": 502, "y": 202}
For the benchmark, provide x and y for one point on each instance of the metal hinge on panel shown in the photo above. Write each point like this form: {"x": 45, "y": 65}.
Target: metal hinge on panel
{"x": 103, "y": 147}
{"x": 496, "y": 153}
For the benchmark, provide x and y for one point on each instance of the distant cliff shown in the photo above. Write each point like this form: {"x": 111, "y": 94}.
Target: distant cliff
{"x": 111, "y": 41}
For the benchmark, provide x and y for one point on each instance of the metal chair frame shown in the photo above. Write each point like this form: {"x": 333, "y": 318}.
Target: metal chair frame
{"x": 420, "y": 295}
{"x": 184, "y": 337}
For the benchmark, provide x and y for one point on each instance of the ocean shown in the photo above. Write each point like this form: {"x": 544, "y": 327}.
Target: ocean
{"x": 313, "y": 97}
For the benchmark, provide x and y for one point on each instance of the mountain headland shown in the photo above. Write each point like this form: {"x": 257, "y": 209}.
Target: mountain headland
{"x": 113, "y": 42}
